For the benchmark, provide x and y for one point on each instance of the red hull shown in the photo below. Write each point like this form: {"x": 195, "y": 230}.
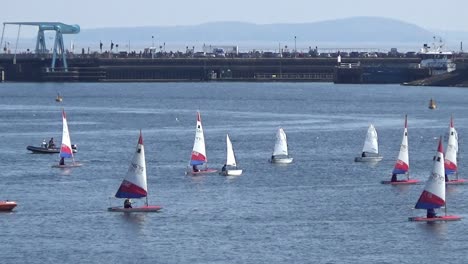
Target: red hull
{"x": 7, "y": 206}
{"x": 456, "y": 182}
{"x": 435, "y": 219}
{"x": 401, "y": 182}
{"x": 201, "y": 172}
{"x": 142, "y": 209}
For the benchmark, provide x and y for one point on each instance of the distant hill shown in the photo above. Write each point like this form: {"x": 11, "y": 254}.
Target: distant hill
{"x": 356, "y": 29}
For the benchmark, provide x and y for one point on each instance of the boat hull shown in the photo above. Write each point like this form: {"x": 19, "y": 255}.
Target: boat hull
{"x": 141, "y": 209}
{"x": 41, "y": 150}
{"x": 456, "y": 182}
{"x": 281, "y": 160}
{"x": 67, "y": 166}
{"x": 435, "y": 219}
{"x": 401, "y": 182}
{"x": 231, "y": 172}
{"x": 7, "y": 206}
{"x": 200, "y": 172}
{"x": 368, "y": 159}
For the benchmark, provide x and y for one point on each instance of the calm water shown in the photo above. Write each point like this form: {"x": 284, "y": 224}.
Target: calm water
{"x": 323, "y": 208}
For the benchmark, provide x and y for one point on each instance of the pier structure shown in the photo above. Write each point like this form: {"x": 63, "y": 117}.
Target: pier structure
{"x": 41, "y": 49}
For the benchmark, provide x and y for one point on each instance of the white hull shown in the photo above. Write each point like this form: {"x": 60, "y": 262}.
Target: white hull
{"x": 368, "y": 159}
{"x": 281, "y": 160}
{"x": 231, "y": 172}
{"x": 66, "y": 166}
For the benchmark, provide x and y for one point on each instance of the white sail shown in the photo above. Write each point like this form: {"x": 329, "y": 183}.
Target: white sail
{"x": 281, "y": 144}
{"x": 134, "y": 184}
{"x": 65, "y": 148}
{"x": 371, "y": 144}
{"x": 199, "y": 152}
{"x": 230, "y": 159}
{"x": 452, "y": 150}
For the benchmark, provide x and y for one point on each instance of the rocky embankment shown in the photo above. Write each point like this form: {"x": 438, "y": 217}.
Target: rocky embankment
{"x": 458, "y": 78}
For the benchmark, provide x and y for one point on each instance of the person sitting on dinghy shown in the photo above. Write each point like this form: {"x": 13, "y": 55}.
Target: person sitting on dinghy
{"x": 394, "y": 178}
{"x": 363, "y": 154}
{"x": 128, "y": 203}
{"x": 51, "y": 143}
{"x": 431, "y": 213}
{"x": 195, "y": 169}
{"x": 44, "y": 143}
{"x": 223, "y": 168}
{"x": 62, "y": 161}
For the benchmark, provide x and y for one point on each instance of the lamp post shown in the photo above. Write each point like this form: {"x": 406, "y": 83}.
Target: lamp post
{"x": 152, "y": 47}
{"x": 295, "y": 47}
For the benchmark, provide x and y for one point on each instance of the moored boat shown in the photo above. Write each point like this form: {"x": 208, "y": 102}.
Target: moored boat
{"x": 7, "y": 206}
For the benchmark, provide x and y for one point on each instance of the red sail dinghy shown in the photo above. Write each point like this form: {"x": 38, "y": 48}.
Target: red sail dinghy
{"x": 66, "y": 150}
{"x": 134, "y": 185}
{"x": 198, "y": 160}
{"x": 7, "y": 206}
{"x": 451, "y": 167}
{"x": 402, "y": 163}
{"x": 433, "y": 195}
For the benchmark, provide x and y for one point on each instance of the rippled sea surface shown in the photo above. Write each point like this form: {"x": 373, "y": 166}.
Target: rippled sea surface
{"x": 323, "y": 208}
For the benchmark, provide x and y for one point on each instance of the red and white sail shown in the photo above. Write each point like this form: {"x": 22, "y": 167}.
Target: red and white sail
{"x": 281, "y": 144}
{"x": 402, "y": 163}
{"x": 198, "y": 156}
{"x": 65, "y": 147}
{"x": 433, "y": 195}
{"x": 134, "y": 185}
{"x": 452, "y": 150}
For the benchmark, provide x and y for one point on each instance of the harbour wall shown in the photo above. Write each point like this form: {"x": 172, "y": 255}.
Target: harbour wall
{"x": 30, "y": 68}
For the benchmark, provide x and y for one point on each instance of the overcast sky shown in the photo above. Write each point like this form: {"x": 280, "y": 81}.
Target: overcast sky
{"x": 430, "y": 14}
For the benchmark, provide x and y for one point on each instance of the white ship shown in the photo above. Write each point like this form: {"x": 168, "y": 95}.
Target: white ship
{"x": 436, "y": 59}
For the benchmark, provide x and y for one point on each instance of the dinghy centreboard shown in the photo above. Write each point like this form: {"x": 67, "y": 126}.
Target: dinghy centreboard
{"x": 66, "y": 150}
{"x": 134, "y": 185}
{"x": 370, "y": 150}
{"x": 198, "y": 160}
{"x": 433, "y": 195}
{"x": 402, "y": 163}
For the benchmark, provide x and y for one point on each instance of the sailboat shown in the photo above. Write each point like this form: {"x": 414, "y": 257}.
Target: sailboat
{"x": 134, "y": 185}
{"x": 198, "y": 157}
{"x": 433, "y": 195}
{"x": 402, "y": 163}
{"x": 370, "y": 151}
{"x": 280, "y": 152}
{"x": 66, "y": 150}
{"x": 230, "y": 167}
{"x": 432, "y": 104}
{"x": 7, "y": 206}
{"x": 450, "y": 163}
{"x": 59, "y": 98}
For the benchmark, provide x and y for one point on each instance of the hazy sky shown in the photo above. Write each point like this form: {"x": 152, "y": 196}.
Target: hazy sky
{"x": 430, "y": 14}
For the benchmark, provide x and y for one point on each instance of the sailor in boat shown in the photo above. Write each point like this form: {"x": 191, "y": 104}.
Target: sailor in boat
{"x": 363, "y": 154}
{"x": 51, "y": 143}
{"x": 44, "y": 143}
{"x": 394, "y": 178}
{"x": 62, "y": 161}
{"x": 431, "y": 213}
{"x": 223, "y": 168}
{"x": 128, "y": 203}
{"x": 195, "y": 169}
